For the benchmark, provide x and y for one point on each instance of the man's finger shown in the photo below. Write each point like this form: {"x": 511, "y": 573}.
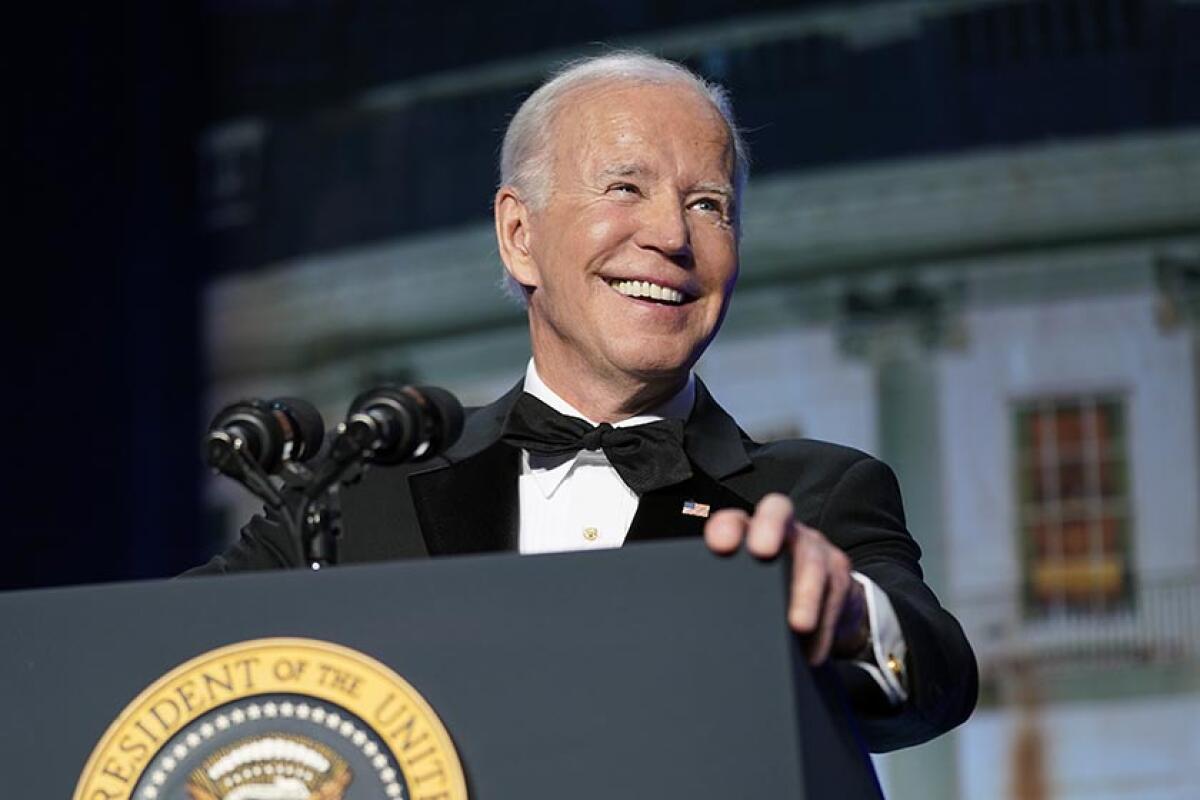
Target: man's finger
{"x": 771, "y": 526}
{"x": 724, "y": 531}
{"x": 837, "y": 585}
{"x": 809, "y": 575}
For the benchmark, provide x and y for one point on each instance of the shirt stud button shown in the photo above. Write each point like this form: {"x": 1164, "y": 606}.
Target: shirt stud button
{"x": 591, "y": 534}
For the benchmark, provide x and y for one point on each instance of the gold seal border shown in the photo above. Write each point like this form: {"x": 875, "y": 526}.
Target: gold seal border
{"x": 454, "y": 787}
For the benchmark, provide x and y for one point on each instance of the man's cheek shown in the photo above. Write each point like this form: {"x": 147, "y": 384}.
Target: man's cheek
{"x": 601, "y": 228}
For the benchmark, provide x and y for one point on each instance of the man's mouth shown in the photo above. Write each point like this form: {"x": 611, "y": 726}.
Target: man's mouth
{"x": 645, "y": 290}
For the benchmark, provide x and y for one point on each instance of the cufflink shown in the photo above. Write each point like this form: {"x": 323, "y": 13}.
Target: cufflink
{"x": 896, "y": 667}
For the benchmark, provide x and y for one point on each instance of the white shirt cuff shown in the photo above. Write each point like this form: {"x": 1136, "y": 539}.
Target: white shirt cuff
{"x": 884, "y": 657}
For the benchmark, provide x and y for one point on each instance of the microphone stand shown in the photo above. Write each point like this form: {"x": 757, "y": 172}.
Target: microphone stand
{"x": 310, "y": 517}
{"x": 310, "y": 512}
{"x": 314, "y": 518}
{"x": 228, "y": 455}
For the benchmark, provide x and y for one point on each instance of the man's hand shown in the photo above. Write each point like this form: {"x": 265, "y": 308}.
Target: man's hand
{"x": 826, "y": 603}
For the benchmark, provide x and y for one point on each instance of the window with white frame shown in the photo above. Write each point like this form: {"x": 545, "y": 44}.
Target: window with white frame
{"x": 1073, "y": 504}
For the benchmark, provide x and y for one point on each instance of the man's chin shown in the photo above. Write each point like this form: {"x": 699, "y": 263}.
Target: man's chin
{"x": 659, "y": 357}
{"x": 648, "y": 368}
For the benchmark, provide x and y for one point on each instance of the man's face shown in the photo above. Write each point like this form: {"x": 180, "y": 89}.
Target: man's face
{"x": 641, "y": 203}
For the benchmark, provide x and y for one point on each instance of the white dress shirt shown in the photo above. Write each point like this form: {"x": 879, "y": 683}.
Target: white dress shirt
{"x": 579, "y": 502}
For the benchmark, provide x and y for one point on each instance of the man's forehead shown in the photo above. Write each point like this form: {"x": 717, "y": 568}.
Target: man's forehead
{"x": 641, "y": 101}
{"x": 621, "y": 118}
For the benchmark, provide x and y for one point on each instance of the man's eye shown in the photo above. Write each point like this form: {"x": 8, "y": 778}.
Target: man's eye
{"x": 709, "y": 204}
{"x": 625, "y": 188}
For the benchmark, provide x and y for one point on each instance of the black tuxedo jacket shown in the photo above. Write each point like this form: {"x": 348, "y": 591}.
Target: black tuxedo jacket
{"x": 466, "y": 502}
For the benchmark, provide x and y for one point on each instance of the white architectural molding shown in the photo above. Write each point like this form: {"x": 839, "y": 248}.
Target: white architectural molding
{"x": 926, "y": 209}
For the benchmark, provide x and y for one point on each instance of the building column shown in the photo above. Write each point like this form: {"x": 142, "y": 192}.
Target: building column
{"x": 1177, "y": 276}
{"x": 900, "y": 331}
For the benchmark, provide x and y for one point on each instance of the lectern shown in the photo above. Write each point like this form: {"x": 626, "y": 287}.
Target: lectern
{"x": 654, "y": 671}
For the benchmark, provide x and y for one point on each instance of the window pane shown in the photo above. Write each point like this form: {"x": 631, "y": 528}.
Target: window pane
{"x": 1112, "y": 479}
{"x": 1072, "y": 479}
{"x": 1043, "y": 544}
{"x": 1075, "y": 539}
{"x": 1069, "y": 425}
{"x": 1110, "y": 536}
{"x": 1109, "y": 420}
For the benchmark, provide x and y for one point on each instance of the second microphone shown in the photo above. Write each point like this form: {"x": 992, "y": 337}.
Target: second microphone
{"x": 393, "y": 424}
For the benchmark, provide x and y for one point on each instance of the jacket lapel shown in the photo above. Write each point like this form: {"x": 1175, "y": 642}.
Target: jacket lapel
{"x": 714, "y": 445}
{"x": 468, "y": 504}
{"x": 661, "y": 514}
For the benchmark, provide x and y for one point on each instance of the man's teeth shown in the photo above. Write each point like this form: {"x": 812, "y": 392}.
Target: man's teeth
{"x": 647, "y": 289}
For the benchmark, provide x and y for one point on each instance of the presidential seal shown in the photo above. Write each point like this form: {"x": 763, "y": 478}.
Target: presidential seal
{"x": 276, "y": 719}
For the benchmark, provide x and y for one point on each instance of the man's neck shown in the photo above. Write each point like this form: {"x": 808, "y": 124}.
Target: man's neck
{"x": 610, "y": 400}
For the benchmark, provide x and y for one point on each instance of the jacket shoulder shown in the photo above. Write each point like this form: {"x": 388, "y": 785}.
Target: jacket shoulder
{"x": 807, "y": 470}
{"x": 805, "y": 451}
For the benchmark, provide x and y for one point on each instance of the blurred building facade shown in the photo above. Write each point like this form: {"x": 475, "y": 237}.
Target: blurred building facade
{"x": 971, "y": 247}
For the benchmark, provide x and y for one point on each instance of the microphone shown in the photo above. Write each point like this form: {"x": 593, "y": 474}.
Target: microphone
{"x": 267, "y": 433}
{"x": 392, "y": 424}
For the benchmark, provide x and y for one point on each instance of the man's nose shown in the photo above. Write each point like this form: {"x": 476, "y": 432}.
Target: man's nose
{"x": 664, "y": 227}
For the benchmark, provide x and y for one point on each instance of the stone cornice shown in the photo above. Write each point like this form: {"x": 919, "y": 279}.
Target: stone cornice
{"x": 925, "y": 210}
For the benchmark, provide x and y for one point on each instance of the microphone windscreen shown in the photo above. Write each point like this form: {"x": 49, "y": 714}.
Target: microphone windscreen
{"x": 309, "y": 426}
{"x": 448, "y": 412}
{"x": 252, "y": 421}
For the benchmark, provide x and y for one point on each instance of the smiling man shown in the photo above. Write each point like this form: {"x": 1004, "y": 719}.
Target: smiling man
{"x": 617, "y": 220}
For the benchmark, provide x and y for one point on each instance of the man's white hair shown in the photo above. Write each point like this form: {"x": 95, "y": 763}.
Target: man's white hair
{"x": 526, "y": 156}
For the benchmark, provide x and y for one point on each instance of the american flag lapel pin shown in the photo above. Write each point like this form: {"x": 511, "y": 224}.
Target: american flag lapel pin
{"x": 693, "y": 509}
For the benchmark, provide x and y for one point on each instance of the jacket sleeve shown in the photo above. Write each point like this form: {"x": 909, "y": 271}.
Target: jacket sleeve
{"x": 864, "y": 516}
{"x": 264, "y": 544}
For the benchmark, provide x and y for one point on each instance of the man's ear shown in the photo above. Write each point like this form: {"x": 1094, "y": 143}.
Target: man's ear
{"x": 513, "y": 235}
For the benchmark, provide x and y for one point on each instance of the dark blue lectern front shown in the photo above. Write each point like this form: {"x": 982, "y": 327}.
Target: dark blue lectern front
{"x": 658, "y": 670}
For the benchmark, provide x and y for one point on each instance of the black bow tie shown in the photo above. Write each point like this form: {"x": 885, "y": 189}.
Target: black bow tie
{"x": 647, "y": 457}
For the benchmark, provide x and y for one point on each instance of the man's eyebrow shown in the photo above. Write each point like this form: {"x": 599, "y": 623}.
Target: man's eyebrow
{"x": 715, "y": 188}
{"x": 638, "y": 170}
